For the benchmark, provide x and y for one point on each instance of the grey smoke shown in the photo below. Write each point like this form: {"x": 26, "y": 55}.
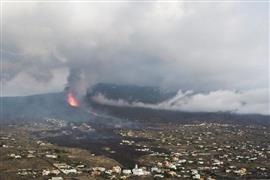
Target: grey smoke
{"x": 175, "y": 45}
{"x": 76, "y": 81}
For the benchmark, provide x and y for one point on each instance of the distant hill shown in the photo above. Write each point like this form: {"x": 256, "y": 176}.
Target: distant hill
{"x": 52, "y": 105}
{"x": 131, "y": 93}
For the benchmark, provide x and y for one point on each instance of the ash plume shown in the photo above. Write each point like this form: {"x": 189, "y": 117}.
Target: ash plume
{"x": 149, "y": 44}
{"x": 76, "y": 82}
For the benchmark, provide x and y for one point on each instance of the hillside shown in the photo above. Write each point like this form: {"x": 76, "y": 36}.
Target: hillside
{"x": 52, "y": 105}
{"x": 131, "y": 93}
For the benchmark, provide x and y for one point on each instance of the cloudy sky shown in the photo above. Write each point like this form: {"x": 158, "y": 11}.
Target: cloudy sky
{"x": 178, "y": 45}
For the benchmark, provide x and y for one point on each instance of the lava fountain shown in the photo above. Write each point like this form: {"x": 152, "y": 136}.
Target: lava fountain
{"x": 72, "y": 100}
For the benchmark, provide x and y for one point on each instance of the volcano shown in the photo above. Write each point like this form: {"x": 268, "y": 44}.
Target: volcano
{"x": 34, "y": 107}
{"x": 72, "y": 100}
{"x": 65, "y": 106}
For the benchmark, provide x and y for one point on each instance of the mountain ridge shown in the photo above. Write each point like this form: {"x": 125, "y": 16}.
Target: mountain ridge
{"x": 54, "y": 105}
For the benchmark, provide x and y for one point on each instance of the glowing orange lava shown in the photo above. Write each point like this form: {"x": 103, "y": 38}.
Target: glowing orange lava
{"x": 72, "y": 101}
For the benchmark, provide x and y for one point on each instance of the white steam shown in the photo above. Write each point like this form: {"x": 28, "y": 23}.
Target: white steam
{"x": 244, "y": 102}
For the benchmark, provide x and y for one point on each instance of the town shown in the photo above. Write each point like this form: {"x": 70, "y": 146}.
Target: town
{"x": 190, "y": 151}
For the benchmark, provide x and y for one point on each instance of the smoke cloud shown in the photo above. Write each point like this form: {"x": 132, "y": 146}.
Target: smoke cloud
{"x": 245, "y": 102}
{"x": 76, "y": 82}
{"x": 174, "y": 45}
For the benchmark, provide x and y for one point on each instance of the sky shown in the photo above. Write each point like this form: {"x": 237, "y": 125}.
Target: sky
{"x": 196, "y": 46}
